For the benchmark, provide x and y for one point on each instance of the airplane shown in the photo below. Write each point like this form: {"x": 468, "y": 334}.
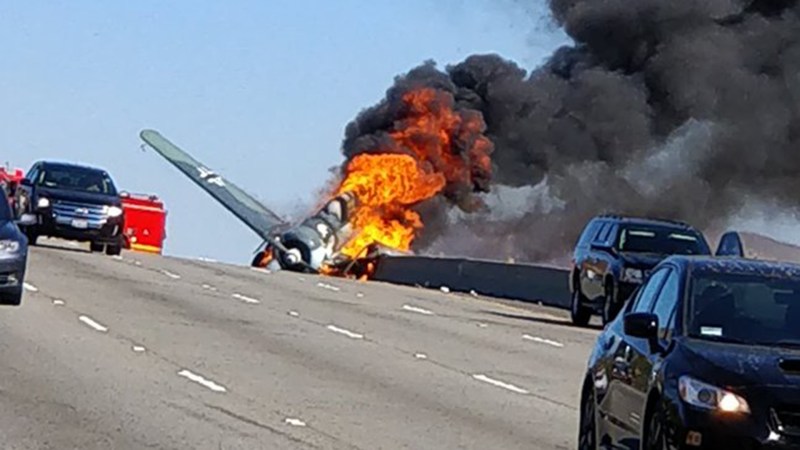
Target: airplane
{"x": 311, "y": 246}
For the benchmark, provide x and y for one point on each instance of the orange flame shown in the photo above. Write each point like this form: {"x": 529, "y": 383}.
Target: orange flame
{"x": 432, "y": 149}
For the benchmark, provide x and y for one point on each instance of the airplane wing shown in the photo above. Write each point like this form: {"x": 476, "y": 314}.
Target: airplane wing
{"x": 249, "y": 210}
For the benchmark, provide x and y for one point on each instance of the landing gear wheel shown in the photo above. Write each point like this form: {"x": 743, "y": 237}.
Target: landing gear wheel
{"x": 580, "y": 313}
{"x": 610, "y": 305}
{"x": 587, "y": 425}
{"x": 95, "y": 247}
{"x": 654, "y": 440}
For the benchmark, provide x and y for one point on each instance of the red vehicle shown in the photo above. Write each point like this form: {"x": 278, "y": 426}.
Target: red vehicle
{"x": 145, "y": 222}
{"x": 9, "y": 179}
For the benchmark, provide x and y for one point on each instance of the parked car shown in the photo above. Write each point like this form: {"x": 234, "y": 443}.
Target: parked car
{"x": 614, "y": 254}
{"x": 13, "y": 255}
{"x": 706, "y": 355}
{"x": 72, "y": 202}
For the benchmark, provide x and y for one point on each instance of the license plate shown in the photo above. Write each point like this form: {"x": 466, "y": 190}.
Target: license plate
{"x": 78, "y": 223}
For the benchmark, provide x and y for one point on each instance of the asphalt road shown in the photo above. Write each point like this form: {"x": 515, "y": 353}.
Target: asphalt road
{"x": 160, "y": 353}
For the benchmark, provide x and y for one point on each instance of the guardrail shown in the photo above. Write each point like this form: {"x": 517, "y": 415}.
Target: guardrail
{"x": 523, "y": 282}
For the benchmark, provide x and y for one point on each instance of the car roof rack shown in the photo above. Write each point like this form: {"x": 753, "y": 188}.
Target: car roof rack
{"x": 634, "y": 218}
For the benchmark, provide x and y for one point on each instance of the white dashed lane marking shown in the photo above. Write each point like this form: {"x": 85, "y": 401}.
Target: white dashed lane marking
{"x": 501, "y": 384}
{"x": 138, "y": 349}
{"x": 420, "y": 356}
{"x": 294, "y": 313}
{"x": 295, "y": 422}
{"x": 202, "y": 381}
{"x": 328, "y": 287}
{"x": 91, "y": 323}
{"x": 417, "y": 310}
{"x": 208, "y": 287}
{"x": 347, "y": 333}
{"x": 30, "y": 287}
{"x": 539, "y": 340}
{"x": 58, "y": 302}
{"x": 174, "y": 276}
{"x": 246, "y": 299}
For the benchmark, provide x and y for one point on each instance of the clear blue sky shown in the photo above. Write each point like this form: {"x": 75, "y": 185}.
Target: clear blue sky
{"x": 258, "y": 90}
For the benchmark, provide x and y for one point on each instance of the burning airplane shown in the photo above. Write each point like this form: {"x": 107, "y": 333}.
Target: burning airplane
{"x": 428, "y": 147}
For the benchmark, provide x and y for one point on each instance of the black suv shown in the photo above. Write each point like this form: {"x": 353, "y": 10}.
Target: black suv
{"x": 615, "y": 254}
{"x": 72, "y": 202}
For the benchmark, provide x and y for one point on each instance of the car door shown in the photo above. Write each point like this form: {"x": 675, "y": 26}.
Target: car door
{"x": 645, "y": 358}
{"x": 623, "y": 370}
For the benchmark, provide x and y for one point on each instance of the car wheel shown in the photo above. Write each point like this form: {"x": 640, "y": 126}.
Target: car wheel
{"x": 610, "y": 306}
{"x": 654, "y": 439}
{"x": 95, "y": 247}
{"x": 581, "y": 314}
{"x": 587, "y": 425}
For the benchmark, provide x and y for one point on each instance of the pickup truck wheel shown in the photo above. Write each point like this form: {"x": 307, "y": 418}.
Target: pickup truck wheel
{"x": 32, "y": 237}
{"x": 581, "y": 314}
{"x": 113, "y": 249}
{"x": 610, "y": 305}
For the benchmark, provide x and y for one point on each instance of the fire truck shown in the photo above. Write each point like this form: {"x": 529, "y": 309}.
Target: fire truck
{"x": 145, "y": 222}
{"x": 9, "y": 179}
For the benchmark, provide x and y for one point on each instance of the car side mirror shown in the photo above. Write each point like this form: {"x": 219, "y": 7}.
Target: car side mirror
{"x": 25, "y": 182}
{"x": 27, "y": 219}
{"x": 642, "y": 325}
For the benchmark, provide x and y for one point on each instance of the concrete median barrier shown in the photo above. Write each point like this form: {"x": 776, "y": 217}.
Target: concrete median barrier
{"x": 523, "y": 282}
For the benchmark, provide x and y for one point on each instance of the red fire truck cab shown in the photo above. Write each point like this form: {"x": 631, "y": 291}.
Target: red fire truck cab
{"x": 9, "y": 179}
{"x": 145, "y": 222}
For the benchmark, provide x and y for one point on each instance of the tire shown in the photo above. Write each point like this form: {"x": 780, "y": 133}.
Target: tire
{"x": 654, "y": 431}
{"x": 587, "y": 423}
{"x": 113, "y": 249}
{"x": 95, "y": 247}
{"x": 610, "y": 304}
{"x": 11, "y": 298}
{"x": 32, "y": 237}
{"x": 579, "y": 312}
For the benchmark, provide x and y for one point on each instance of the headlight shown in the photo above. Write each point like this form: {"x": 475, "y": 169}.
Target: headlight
{"x": 114, "y": 211}
{"x": 43, "y": 203}
{"x": 632, "y": 275}
{"x": 9, "y": 246}
{"x": 709, "y": 397}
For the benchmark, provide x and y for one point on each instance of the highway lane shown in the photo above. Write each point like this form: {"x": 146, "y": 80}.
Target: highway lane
{"x": 151, "y": 352}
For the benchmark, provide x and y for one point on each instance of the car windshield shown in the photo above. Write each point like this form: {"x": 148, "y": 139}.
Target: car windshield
{"x": 751, "y": 309}
{"x": 76, "y": 179}
{"x": 661, "y": 240}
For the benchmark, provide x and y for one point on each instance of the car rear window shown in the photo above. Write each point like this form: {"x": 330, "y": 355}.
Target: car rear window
{"x": 661, "y": 240}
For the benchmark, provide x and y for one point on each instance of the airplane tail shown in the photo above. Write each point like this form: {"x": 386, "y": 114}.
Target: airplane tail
{"x": 255, "y": 215}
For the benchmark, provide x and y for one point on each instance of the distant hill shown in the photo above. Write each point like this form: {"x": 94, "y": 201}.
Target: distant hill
{"x": 762, "y": 247}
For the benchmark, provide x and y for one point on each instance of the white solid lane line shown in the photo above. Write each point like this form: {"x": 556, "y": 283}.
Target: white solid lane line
{"x": 174, "y": 276}
{"x": 90, "y": 322}
{"x": 417, "y": 310}
{"x": 246, "y": 299}
{"x": 295, "y": 422}
{"x": 501, "y": 384}
{"x": 347, "y": 333}
{"x": 528, "y": 337}
{"x": 30, "y": 287}
{"x": 202, "y": 381}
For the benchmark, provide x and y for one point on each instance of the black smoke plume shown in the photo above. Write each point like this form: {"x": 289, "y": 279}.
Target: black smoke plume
{"x": 679, "y": 109}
